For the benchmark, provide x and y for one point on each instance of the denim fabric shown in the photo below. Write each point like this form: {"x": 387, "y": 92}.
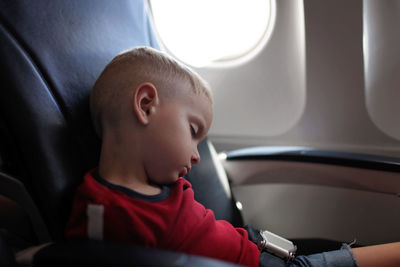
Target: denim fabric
{"x": 337, "y": 258}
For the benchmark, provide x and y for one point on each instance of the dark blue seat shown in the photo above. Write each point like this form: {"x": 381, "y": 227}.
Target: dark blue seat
{"x": 52, "y": 52}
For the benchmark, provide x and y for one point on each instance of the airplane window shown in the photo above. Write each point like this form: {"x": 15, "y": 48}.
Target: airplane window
{"x": 210, "y": 32}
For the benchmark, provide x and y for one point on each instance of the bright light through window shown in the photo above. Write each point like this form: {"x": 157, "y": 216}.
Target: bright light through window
{"x": 203, "y": 32}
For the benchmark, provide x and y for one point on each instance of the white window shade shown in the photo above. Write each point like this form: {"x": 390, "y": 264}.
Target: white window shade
{"x": 208, "y": 32}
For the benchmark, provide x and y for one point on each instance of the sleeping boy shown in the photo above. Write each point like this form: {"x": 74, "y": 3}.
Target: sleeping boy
{"x": 151, "y": 112}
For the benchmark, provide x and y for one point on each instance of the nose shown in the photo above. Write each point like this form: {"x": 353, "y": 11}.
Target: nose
{"x": 195, "y": 157}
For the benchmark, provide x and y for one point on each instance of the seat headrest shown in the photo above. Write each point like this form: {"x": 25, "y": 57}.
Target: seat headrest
{"x": 52, "y": 52}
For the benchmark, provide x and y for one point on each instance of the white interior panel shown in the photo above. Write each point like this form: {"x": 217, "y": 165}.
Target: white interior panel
{"x": 255, "y": 98}
{"x": 246, "y": 172}
{"x": 382, "y": 69}
{"x": 309, "y": 211}
{"x": 273, "y": 100}
{"x": 310, "y": 200}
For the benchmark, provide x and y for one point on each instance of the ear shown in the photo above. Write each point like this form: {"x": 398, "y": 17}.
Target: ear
{"x": 145, "y": 100}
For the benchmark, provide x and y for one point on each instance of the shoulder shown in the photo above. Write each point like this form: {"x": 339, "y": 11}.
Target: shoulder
{"x": 93, "y": 191}
{"x": 181, "y": 191}
{"x": 89, "y": 185}
{"x": 183, "y": 183}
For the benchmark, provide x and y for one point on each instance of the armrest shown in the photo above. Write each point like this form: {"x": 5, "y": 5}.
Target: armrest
{"x": 6, "y": 254}
{"x": 16, "y": 191}
{"x": 98, "y": 253}
{"x": 303, "y": 154}
{"x": 301, "y": 165}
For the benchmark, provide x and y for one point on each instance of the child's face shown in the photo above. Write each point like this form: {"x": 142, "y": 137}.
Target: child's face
{"x": 176, "y": 129}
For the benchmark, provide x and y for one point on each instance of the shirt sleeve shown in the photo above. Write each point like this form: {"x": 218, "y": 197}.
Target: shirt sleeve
{"x": 337, "y": 258}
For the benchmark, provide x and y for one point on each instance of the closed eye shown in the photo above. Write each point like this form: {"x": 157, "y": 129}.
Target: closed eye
{"x": 193, "y": 130}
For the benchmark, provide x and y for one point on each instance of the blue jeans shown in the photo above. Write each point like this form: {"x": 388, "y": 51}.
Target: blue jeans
{"x": 336, "y": 258}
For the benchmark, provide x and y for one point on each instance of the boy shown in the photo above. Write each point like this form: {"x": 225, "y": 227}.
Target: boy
{"x": 151, "y": 113}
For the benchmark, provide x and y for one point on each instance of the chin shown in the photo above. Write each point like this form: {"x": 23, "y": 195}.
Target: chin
{"x": 169, "y": 180}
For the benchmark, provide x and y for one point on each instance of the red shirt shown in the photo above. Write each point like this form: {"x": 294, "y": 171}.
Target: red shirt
{"x": 172, "y": 220}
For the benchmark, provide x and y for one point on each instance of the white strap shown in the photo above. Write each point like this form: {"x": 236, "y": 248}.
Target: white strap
{"x": 95, "y": 221}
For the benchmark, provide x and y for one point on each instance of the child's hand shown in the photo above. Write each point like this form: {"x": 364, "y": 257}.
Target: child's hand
{"x": 379, "y": 255}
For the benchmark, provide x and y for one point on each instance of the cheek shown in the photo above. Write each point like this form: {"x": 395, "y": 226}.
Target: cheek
{"x": 170, "y": 147}
{"x": 175, "y": 138}
{"x": 163, "y": 153}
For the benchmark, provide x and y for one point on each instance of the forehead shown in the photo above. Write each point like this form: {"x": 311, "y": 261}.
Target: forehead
{"x": 183, "y": 83}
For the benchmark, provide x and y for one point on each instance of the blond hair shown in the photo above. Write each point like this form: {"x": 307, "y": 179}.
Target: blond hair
{"x": 133, "y": 67}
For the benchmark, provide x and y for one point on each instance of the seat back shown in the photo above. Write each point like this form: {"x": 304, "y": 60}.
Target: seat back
{"x": 211, "y": 186}
{"x": 52, "y": 52}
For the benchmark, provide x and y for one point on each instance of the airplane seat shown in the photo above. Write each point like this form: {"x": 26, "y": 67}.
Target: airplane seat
{"x": 6, "y": 255}
{"x": 212, "y": 187}
{"x": 52, "y": 52}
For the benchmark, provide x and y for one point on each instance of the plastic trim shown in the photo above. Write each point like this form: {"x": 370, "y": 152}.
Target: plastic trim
{"x": 16, "y": 191}
{"x": 304, "y": 154}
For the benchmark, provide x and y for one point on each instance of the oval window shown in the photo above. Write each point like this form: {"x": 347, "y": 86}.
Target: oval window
{"x": 209, "y": 32}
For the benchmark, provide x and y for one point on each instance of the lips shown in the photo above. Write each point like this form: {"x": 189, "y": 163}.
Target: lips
{"x": 185, "y": 171}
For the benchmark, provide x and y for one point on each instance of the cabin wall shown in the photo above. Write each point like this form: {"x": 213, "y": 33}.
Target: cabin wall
{"x": 305, "y": 88}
